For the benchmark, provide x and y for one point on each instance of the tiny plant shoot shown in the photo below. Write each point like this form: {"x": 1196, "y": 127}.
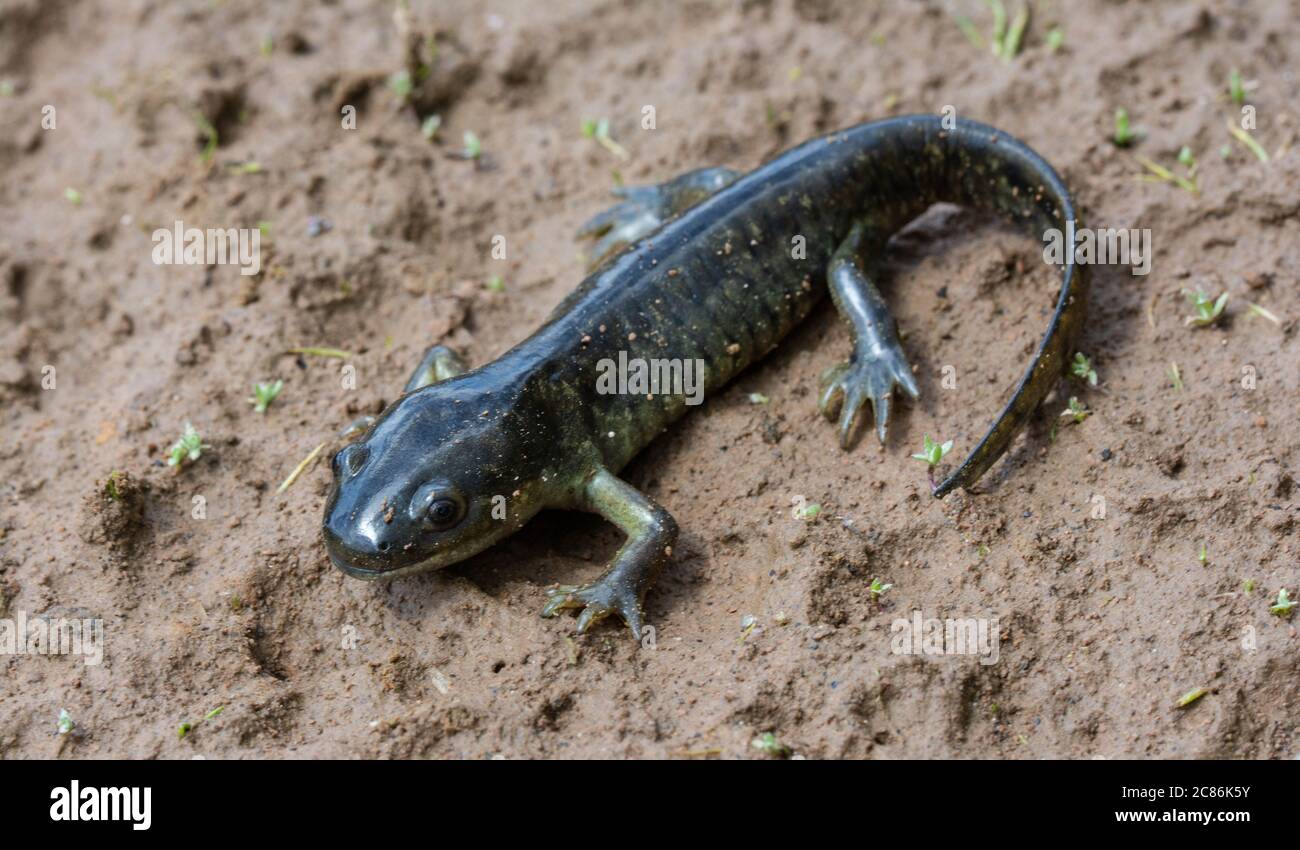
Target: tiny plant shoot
{"x": 1284, "y": 604}
{"x": 187, "y": 449}
{"x": 1077, "y": 410}
{"x": 878, "y": 588}
{"x": 1208, "y": 311}
{"x": 1124, "y": 134}
{"x": 1082, "y": 369}
{"x": 932, "y": 452}
{"x": 264, "y": 394}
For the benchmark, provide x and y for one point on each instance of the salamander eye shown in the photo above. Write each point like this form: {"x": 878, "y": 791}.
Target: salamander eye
{"x": 437, "y": 505}
{"x": 443, "y": 513}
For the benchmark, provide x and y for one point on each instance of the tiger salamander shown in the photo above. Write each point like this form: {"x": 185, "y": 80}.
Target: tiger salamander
{"x": 707, "y": 274}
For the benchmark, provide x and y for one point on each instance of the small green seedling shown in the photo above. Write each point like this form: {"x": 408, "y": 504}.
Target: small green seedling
{"x": 878, "y": 588}
{"x": 1055, "y": 38}
{"x": 73, "y": 196}
{"x": 264, "y": 394}
{"x": 932, "y": 452}
{"x": 1124, "y": 134}
{"x": 1077, "y": 410}
{"x": 1187, "y": 160}
{"x": 1248, "y": 140}
{"x": 1160, "y": 174}
{"x": 1284, "y": 604}
{"x": 113, "y": 486}
{"x": 1248, "y": 585}
{"x": 809, "y": 512}
{"x": 770, "y": 745}
{"x": 473, "y": 146}
{"x": 66, "y": 723}
{"x": 1204, "y": 555}
{"x": 184, "y": 729}
{"x": 188, "y": 448}
{"x": 758, "y": 398}
{"x": 1208, "y": 311}
{"x": 1191, "y": 696}
{"x": 431, "y": 125}
{"x": 1082, "y": 369}
{"x": 401, "y": 85}
{"x": 1236, "y": 89}
{"x": 496, "y": 284}
{"x": 599, "y": 130}
{"x": 1175, "y": 376}
{"x": 246, "y": 167}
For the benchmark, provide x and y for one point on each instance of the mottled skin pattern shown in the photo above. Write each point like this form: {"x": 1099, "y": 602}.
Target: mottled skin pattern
{"x": 460, "y": 462}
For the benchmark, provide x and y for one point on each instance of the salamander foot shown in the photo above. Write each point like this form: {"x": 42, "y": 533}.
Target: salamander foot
{"x": 846, "y": 388}
{"x": 645, "y": 208}
{"x": 597, "y": 600}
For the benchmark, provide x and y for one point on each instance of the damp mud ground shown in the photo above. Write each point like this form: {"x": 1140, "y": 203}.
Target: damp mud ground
{"x": 1128, "y": 559}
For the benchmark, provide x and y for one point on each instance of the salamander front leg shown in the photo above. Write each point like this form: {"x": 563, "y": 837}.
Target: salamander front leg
{"x": 878, "y": 362}
{"x": 651, "y": 532}
{"x": 648, "y": 207}
{"x": 437, "y": 365}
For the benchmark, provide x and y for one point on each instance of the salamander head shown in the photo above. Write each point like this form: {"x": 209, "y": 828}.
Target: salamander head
{"x": 437, "y": 479}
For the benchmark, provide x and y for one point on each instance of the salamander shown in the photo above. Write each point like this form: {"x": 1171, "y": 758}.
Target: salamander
{"x": 712, "y": 268}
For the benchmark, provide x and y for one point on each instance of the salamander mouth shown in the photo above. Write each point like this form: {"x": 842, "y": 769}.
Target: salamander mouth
{"x": 368, "y": 573}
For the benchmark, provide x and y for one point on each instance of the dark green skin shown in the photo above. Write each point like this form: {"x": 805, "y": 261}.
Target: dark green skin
{"x": 717, "y": 283}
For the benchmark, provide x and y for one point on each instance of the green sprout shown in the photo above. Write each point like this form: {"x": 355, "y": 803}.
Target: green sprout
{"x": 1055, "y": 38}
{"x": 73, "y": 196}
{"x": 496, "y": 283}
{"x": 1188, "y": 161}
{"x": 214, "y": 712}
{"x": 1175, "y": 377}
{"x": 599, "y": 130}
{"x": 1124, "y": 134}
{"x": 113, "y": 486}
{"x": 1077, "y": 410}
{"x": 66, "y": 723}
{"x": 878, "y": 588}
{"x": 1248, "y": 585}
{"x": 184, "y": 729}
{"x": 188, "y": 448}
{"x": 1236, "y": 90}
{"x": 1208, "y": 311}
{"x": 932, "y": 453}
{"x": 431, "y": 125}
{"x": 1204, "y": 555}
{"x": 246, "y": 167}
{"x": 1191, "y": 696}
{"x": 401, "y": 85}
{"x": 809, "y": 511}
{"x": 770, "y": 745}
{"x": 1082, "y": 369}
{"x": 264, "y": 394}
{"x": 473, "y": 147}
{"x": 1284, "y": 604}
{"x": 209, "y": 134}
{"x": 1160, "y": 174}
{"x": 758, "y": 398}
{"x": 1248, "y": 140}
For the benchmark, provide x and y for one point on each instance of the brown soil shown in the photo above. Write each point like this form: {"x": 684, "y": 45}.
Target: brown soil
{"x": 1105, "y": 623}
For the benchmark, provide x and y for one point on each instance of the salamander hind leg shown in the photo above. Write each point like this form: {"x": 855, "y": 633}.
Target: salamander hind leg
{"x": 878, "y": 362}
{"x": 651, "y": 532}
{"x": 645, "y": 208}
